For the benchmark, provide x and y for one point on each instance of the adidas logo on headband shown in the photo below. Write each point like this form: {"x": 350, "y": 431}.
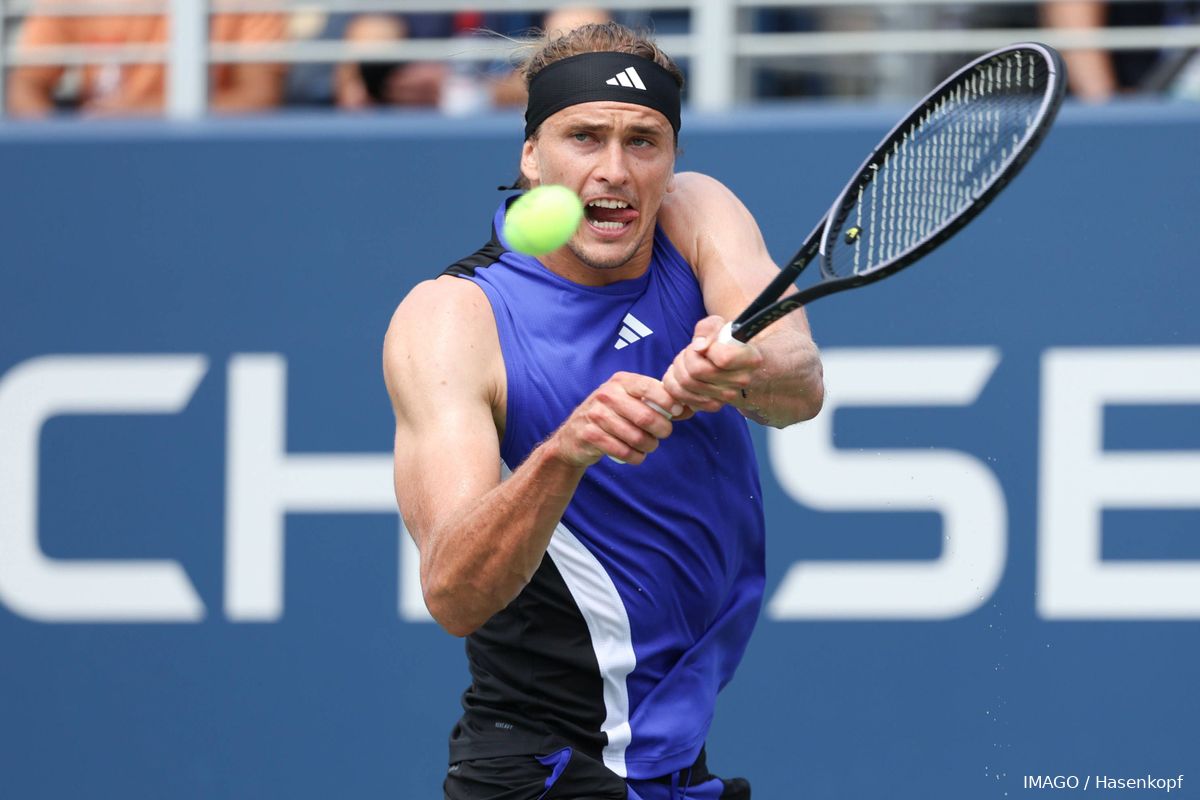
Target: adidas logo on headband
{"x": 627, "y": 78}
{"x": 601, "y": 76}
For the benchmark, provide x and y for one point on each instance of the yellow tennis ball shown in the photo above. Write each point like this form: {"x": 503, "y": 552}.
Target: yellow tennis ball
{"x": 542, "y": 220}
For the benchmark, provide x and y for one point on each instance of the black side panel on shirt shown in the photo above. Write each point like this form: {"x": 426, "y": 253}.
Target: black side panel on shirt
{"x": 536, "y": 683}
{"x": 483, "y": 257}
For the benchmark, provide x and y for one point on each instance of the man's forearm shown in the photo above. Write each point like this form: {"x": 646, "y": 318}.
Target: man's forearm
{"x": 790, "y": 386}
{"x": 476, "y": 562}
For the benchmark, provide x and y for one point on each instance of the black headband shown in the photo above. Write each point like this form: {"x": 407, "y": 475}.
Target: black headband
{"x": 589, "y": 77}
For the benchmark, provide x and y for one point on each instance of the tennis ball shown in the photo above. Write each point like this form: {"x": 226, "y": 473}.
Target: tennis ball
{"x": 543, "y": 219}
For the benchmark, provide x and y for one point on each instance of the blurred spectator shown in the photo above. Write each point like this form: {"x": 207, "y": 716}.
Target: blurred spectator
{"x": 324, "y": 84}
{"x": 786, "y": 78}
{"x": 310, "y": 83}
{"x": 373, "y": 83}
{"x": 562, "y": 21}
{"x": 455, "y": 87}
{"x": 421, "y": 83}
{"x": 976, "y": 16}
{"x": 508, "y": 89}
{"x": 134, "y": 89}
{"x": 1096, "y": 75}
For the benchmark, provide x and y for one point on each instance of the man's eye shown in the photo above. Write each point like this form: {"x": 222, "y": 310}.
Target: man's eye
{"x": 641, "y": 142}
{"x": 581, "y": 137}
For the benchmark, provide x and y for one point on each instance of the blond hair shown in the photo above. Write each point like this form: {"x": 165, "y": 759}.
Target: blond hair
{"x": 607, "y": 37}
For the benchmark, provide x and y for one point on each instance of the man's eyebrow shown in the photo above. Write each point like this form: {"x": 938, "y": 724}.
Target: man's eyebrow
{"x": 648, "y": 129}
{"x": 598, "y": 125}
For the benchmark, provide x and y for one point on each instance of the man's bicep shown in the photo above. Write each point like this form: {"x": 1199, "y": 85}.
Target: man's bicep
{"x": 444, "y": 461}
{"x": 733, "y": 262}
{"x": 441, "y": 358}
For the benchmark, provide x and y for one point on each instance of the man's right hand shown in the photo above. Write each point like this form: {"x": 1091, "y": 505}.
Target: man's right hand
{"x": 617, "y": 420}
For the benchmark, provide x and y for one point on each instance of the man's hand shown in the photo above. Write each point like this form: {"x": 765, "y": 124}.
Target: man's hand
{"x": 709, "y": 374}
{"x": 618, "y": 421}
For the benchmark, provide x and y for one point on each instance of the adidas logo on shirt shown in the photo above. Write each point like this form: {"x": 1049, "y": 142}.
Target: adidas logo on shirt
{"x": 627, "y": 78}
{"x": 632, "y": 330}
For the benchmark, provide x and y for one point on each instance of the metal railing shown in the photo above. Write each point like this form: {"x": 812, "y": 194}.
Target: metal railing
{"x": 716, "y": 47}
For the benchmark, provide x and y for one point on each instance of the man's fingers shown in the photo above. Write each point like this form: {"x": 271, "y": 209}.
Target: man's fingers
{"x": 692, "y": 399}
{"x": 708, "y": 329}
{"x": 726, "y": 335}
{"x": 701, "y": 374}
{"x": 734, "y": 356}
{"x": 623, "y": 419}
{"x": 652, "y": 393}
{"x": 639, "y": 428}
{"x": 662, "y": 410}
{"x": 663, "y": 401}
{"x": 633, "y": 413}
{"x": 617, "y": 439}
{"x": 713, "y": 338}
{"x": 708, "y": 374}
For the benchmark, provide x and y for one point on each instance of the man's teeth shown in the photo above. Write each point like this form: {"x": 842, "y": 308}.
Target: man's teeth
{"x": 608, "y": 225}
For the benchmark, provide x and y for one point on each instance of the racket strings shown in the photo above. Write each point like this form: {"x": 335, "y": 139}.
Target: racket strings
{"x": 939, "y": 163}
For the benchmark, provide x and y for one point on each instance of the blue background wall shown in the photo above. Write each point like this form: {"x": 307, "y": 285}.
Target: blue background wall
{"x": 299, "y": 236}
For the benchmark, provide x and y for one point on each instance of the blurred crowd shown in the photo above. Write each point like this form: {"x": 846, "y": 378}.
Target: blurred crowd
{"x": 460, "y": 87}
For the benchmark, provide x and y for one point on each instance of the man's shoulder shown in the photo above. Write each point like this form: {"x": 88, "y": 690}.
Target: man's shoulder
{"x": 691, "y": 208}
{"x": 699, "y": 187}
{"x": 692, "y": 179}
{"x": 445, "y": 303}
{"x": 696, "y": 199}
{"x": 442, "y": 332}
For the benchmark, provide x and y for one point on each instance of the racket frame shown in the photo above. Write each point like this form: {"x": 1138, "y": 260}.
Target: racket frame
{"x": 769, "y": 306}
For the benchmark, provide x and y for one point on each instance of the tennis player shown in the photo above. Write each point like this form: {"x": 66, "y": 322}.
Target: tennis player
{"x": 603, "y": 560}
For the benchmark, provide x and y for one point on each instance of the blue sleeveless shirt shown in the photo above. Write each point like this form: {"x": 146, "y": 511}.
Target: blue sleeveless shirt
{"x": 654, "y": 578}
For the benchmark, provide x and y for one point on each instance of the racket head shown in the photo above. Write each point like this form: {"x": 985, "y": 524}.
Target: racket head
{"x": 943, "y": 164}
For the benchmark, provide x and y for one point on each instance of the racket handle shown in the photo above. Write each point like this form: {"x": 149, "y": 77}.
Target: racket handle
{"x": 726, "y": 335}
{"x": 657, "y": 408}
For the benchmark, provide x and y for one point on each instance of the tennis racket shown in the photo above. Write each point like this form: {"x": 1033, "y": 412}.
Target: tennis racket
{"x": 937, "y": 169}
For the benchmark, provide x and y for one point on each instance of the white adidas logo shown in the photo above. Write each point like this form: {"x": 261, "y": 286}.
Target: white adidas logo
{"x": 627, "y": 78}
{"x": 633, "y": 329}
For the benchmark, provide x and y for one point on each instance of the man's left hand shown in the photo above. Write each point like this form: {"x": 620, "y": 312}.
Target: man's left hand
{"x": 709, "y": 374}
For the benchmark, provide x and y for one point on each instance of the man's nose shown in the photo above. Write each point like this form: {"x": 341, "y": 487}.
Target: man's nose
{"x": 614, "y": 164}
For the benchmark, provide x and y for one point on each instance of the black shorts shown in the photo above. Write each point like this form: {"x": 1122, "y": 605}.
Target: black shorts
{"x": 567, "y": 774}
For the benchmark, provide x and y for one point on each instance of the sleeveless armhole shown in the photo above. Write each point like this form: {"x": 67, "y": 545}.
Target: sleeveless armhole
{"x": 678, "y": 282}
{"x": 483, "y": 257}
{"x": 470, "y": 268}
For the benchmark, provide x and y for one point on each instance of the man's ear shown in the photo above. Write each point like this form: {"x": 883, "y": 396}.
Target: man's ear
{"x": 529, "y": 162}
{"x": 671, "y": 182}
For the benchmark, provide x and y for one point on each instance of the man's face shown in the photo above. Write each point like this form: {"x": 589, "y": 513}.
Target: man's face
{"x": 620, "y": 159}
